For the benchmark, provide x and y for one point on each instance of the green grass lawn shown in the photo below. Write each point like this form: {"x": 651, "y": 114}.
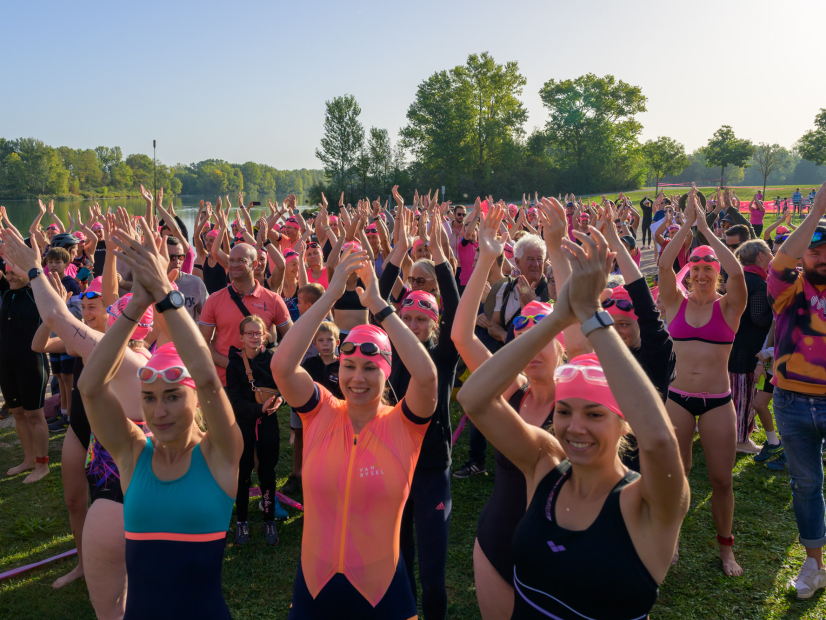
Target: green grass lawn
{"x": 743, "y": 192}
{"x": 258, "y": 579}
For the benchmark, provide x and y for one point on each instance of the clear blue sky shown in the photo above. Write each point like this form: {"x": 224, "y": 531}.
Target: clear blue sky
{"x": 247, "y": 81}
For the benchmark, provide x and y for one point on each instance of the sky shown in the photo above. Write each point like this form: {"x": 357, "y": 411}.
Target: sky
{"x": 247, "y": 81}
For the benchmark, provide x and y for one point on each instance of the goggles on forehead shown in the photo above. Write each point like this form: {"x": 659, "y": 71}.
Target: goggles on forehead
{"x": 708, "y": 258}
{"x": 569, "y": 372}
{"x": 173, "y": 374}
{"x": 622, "y": 304}
{"x": 422, "y": 303}
{"x": 370, "y": 349}
{"x": 90, "y": 295}
{"x": 521, "y": 321}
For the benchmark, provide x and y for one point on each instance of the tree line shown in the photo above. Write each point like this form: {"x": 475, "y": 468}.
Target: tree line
{"x": 466, "y": 131}
{"x": 29, "y": 167}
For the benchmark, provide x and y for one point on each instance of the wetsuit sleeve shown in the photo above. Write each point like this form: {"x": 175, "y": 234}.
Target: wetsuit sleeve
{"x": 444, "y": 353}
{"x": 238, "y": 391}
{"x": 311, "y": 405}
{"x": 759, "y": 309}
{"x": 412, "y": 417}
{"x": 388, "y": 279}
{"x": 656, "y": 348}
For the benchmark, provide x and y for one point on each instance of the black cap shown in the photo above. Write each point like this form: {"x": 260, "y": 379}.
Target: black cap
{"x": 629, "y": 241}
{"x": 818, "y": 238}
{"x": 727, "y": 218}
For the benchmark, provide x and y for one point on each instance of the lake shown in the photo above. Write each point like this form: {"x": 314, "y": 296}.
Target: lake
{"x": 22, "y": 212}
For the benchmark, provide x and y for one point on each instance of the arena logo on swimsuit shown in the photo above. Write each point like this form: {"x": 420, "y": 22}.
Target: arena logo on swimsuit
{"x": 366, "y": 472}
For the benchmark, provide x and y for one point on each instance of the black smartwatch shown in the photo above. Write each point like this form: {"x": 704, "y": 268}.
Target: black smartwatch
{"x": 34, "y": 272}
{"x": 174, "y": 300}
{"x": 383, "y": 314}
{"x": 267, "y": 242}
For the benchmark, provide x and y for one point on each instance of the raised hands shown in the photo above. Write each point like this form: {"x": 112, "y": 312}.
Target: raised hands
{"x": 590, "y": 266}
{"x": 491, "y": 242}
{"x": 148, "y": 260}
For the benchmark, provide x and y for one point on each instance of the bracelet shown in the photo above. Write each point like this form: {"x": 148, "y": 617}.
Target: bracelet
{"x": 123, "y": 314}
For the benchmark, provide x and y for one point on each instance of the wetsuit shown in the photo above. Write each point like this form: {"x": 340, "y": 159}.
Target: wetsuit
{"x": 430, "y": 502}
{"x": 570, "y": 575}
{"x": 259, "y": 429}
{"x": 175, "y": 536}
{"x": 505, "y": 506}
{"x": 355, "y": 489}
{"x": 646, "y": 220}
{"x": 99, "y": 257}
{"x": 78, "y": 421}
{"x": 24, "y": 374}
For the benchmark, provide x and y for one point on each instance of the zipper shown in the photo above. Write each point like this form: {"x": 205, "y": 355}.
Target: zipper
{"x": 346, "y": 505}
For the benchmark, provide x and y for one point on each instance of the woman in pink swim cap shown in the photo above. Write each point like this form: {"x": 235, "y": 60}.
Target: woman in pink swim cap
{"x": 700, "y": 396}
{"x": 582, "y": 501}
{"x": 352, "y": 519}
{"x": 178, "y": 481}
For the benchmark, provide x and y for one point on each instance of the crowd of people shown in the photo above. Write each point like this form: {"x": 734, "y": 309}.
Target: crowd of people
{"x": 171, "y": 357}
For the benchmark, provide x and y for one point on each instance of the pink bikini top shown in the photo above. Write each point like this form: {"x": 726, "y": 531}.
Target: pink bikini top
{"x": 716, "y": 331}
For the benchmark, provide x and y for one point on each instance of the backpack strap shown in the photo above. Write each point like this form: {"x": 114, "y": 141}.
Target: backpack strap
{"x": 233, "y": 294}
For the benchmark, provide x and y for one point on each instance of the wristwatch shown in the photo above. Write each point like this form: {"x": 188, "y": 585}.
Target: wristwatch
{"x": 599, "y": 320}
{"x": 174, "y": 300}
{"x": 267, "y": 242}
{"x": 34, "y": 272}
{"x": 384, "y": 313}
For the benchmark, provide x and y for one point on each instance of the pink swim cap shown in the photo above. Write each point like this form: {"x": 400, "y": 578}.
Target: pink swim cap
{"x": 370, "y": 333}
{"x": 513, "y": 210}
{"x": 372, "y": 229}
{"x": 705, "y": 250}
{"x": 79, "y": 235}
{"x": 167, "y": 357}
{"x": 144, "y": 323}
{"x": 354, "y": 246}
{"x": 52, "y": 227}
{"x": 619, "y": 303}
{"x": 535, "y": 308}
{"x": 291, "y": 221}
{"x": 212, "y": 234}
{"x": 420, "y": 300}
{"x": 95, "y": 286}
{"x": 780, "y": 230}
{"x": 333, "y": 219}
{"x": 577, "y": 380}
{"x": 417, "y": 243}
{"x": 97, "y": 226}
{"x": 290, "y": 255}
{"x": 508, "y": 250}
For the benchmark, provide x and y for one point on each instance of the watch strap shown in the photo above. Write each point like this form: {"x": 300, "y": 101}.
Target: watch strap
{"x": 166, "y": 303}
{"x": 384, "y": 313}
{"x": 599, "y": 320}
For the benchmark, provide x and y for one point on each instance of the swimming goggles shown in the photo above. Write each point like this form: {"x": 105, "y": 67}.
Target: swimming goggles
{"x": 622, "y": 304}
{"x": 422, "y": 303}
{"x": 569, "y": 372}
{"x": 708, "y": 258}
{"x": 90, "y": 295}
{"x": 522, "y": 321}
{"x": 370, "y": 349}
{"x": 173, "y": 374}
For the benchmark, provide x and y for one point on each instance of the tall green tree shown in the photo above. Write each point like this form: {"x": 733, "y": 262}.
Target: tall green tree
{"x": 343, "y": 139}
{"x": 592, "y": 133}
{"x": 664, "y": 156}
{"x": 812, "y": 145}
{"x": 726, "y": 149}
{"x": 769, "y": 158}
{"x": 380, "y": 151}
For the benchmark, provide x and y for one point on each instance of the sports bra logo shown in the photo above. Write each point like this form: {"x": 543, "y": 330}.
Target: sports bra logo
{"x": 372, "y": 470}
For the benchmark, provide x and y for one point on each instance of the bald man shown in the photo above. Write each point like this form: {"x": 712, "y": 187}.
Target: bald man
{"x": 222, "y": 313}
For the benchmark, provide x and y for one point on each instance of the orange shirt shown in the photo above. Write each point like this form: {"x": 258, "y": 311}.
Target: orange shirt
{"x": 224, "y": 315}
{"x": 355, "y": 489}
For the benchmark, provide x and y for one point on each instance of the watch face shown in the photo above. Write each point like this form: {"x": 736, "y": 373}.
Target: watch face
{"x": 177, "y": 298}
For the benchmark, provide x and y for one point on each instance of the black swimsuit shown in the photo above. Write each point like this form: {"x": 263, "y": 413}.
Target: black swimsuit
{"x": 506, "y": 505}
{"x": 570, "y": 575}
{"x": 215, "y": 278}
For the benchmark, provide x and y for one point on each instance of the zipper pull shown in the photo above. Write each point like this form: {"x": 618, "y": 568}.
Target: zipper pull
{"x": 354, "y": 440}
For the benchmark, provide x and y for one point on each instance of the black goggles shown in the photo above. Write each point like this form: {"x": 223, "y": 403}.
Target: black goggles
{"x": 622, "y": 304}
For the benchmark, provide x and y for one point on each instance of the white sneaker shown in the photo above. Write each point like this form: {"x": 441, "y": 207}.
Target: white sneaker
{"x": 809, "y": 580}
{"x": 749, "y": 447}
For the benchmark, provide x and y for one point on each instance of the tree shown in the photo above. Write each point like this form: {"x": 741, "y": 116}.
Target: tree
{"x": 812, "y": 145}
{"x": 664, "y": 156}
{"x": 343, "y": 139}
{"x": 768, "y": 158}
{"x": 725, "y": 149}
{"x": 380, "y": 151}
{"x": 593, "y": 133}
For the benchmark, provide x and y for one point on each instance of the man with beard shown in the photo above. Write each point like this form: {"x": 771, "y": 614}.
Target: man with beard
{"x": 798, "y": 300}
{"x": 529, "y": 285}
{"x": 224, "y": 309}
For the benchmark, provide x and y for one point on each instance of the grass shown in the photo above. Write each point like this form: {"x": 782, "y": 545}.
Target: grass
{"x": 257, "y": 579}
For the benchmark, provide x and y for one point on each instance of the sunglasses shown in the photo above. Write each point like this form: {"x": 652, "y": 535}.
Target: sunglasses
{"x": 420, "y": 281}
{"x": 173, "y": 374}
{"x": 90, "y": 295}
{"x": 177, "y": 256}
{"x": 780, "y": 238}
{"x": 521, "y": 321}
{"x": 422, "y": 303}
{"x": 459, "y": 214}
{"x": 622, "y": 304}
{"x": 708, "y": 258}
{"x": 370, "y": 349}
{"x": 312, "y": 244}
{"x": 591, "y": 374}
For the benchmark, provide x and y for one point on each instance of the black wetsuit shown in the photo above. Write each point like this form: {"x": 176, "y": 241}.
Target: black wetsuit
{"x": 78, "y": 421}
{"x": 430, "y": 502}
{"x": 505, "y": 506}
{"x": 24, "y": 374}
{"x": 646, "y": 220}
{"x": 99, "y": 258}
{"x": 571, "y": 575}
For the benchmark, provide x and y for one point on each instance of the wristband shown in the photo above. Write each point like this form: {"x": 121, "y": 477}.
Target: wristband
{"x": 266, "y": 243}
{"x": 123, "y": 314}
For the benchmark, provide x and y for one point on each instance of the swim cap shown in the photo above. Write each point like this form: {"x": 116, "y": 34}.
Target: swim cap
{"x": 95, "y": 286}
{"x": 144, "y": 323}
{"x": 354, "y": 246}
{"x": 212, "y": 234}
{"x": 618, "y": 303}
{"x": 572, "y": 382}
{"x": 290, "y": 255}
{"x": 97, "y": 226}
{"x": 291, "y": 221}
{"x": 81, "y": 237}
{"x": 372, "y": 229}
{"x": 414, "y": 298}
{"x": 52, "y": 227}
{"x": 235, "y": 223}
{"x": 536, "y": 308}
{"x": 508, "y": 250}
{"x": 513, "y": 210}
{"x": 370, "y": 333}
{"x": 167, "y": 357}
{"x": 417, "y": 243}
{"x": 780, "y": 230}
{"x": 333, "y": 219}
{"x": 702, "y": 250}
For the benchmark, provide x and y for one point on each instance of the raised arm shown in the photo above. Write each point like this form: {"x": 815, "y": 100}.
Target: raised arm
{"x": 798, "y": 242}
{"x": 171, "y": 224}
{"x": 667, "y": 277}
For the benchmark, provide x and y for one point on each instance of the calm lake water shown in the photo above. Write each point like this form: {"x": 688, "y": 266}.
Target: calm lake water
{"x": 22, "y": 212}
